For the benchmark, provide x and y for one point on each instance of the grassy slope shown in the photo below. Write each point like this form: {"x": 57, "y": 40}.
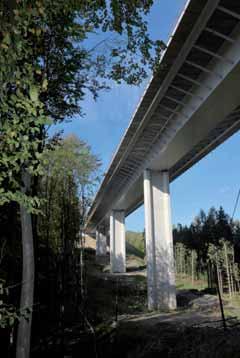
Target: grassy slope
{"x": 135, "y": 247}
{"x": 135, "y": 244}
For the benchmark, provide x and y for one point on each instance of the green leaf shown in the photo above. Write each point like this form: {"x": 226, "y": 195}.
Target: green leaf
{"x": 7, "y": 39}
{"x": 11, "y": 321}
{"x": 34, "y": 93}
{"x": 45, "y": 84}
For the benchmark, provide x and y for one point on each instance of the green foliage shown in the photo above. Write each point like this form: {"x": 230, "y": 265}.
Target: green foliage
{"x": 70, "y": 174}
{"x": 52, "y": 53}
{"x": 9, "y": 314}
{"x": 72, "y": 157}
{"x": 48, "y": 64}
{"x": 205, "y": 230}
{"x": 22, "y": 112}
{"x": 209, "y": 245}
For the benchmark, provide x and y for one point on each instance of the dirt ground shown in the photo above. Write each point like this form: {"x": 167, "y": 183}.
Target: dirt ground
{"x": 125, "y": 328}
{"x": 117, "y": 323}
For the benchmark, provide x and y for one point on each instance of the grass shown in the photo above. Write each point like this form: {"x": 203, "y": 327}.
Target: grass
{"x": 184, "y": 282}
{"x": 135, "y": 244}
{"x": 232, "y": 305}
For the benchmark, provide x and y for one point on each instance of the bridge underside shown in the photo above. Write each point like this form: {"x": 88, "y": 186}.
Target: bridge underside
{"x": 190, "y": 107}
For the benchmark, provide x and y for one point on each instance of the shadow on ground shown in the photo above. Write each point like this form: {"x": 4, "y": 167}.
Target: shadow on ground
{"x": 120, "y": 326}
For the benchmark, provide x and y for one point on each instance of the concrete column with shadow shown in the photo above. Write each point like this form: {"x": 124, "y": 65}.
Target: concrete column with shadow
{"x": 159, "y": 241}
{"x": 117, "y": 241}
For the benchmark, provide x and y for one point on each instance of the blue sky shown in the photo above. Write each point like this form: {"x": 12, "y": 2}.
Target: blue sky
{"x": 214, "y": 181}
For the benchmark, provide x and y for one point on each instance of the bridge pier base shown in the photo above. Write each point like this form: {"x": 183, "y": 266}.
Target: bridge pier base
{"x": 117, "y": 241}
{"x": 101, "y": 244}
{"x": 159, "y": 241}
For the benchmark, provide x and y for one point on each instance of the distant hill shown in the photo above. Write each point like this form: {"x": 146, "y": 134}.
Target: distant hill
{"x": 135, "y": 244}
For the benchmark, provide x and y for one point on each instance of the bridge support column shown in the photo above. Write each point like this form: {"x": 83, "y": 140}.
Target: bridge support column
{"x": 101, "y": 244}
{"x": 159, "y": 241}
{"x": 117, "y": 241}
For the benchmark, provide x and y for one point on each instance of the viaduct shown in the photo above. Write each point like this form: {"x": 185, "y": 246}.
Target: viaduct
{"x": 189, "y": 108}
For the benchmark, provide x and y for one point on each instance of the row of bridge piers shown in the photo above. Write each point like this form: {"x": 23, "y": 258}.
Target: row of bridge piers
{"x": 159, "y": 241}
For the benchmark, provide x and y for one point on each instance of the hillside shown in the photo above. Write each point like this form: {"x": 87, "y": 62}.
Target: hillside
{"x": 135, "y": 244}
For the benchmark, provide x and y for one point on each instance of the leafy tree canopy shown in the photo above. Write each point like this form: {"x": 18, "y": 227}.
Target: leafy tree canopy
{"x": 52, "y": 52}
{"x": 70, "y": 173}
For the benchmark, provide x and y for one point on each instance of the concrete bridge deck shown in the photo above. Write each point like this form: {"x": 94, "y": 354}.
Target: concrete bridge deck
{"x": 190, "y": 106}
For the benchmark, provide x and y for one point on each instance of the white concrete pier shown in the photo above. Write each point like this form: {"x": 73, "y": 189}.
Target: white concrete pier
{"x": 101, "y": 244}
{"x": 117, "y": 241}
{"x": 159, "y": 241}
{"x": 190, "y": 107}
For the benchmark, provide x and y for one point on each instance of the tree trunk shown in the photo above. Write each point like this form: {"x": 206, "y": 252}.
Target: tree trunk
{"x": 209, "y": 275}
{"x": 221, "y": 282}
{"x": 181, "y": 263}
{"x": 192, "y": 267}
{"x": 227, "y": 270}
{"x": 27, "y": 289}
{"x": 218, "y": 277}
{"x": 232, "y": 278}
{"x": 236, "y": 278}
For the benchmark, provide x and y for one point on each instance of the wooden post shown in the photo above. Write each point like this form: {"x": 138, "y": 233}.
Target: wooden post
{"x": 220, "y": 301}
